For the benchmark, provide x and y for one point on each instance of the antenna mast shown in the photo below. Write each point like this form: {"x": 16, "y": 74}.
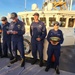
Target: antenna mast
{"x": 25, "y": 5}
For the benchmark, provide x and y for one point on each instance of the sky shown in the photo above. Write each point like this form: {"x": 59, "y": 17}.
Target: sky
{"x": 8, "y": 6}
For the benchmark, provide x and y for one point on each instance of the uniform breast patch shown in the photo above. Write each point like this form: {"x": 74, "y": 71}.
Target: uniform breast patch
{"x": 19, "y": 26}
{"x": 7, "y": 27}
{"x": 40, "y": 26}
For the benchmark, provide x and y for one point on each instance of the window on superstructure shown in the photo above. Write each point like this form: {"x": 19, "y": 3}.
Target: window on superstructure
{"x": 51, "y": 21}
{"x": 63, "y": 22}
{"x": 71, "y": 22}
{"x": 43, "y": 19}
{"x": 23, "y": 20}
{"x": 27, "y": 21}
{"x": 32, "y": 19}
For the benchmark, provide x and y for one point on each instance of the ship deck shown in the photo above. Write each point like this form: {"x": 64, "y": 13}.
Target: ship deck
{"x": 67, "y": 65}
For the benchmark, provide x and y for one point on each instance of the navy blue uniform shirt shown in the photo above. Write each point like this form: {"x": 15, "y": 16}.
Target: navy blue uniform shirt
{"x": 53, "y": 33}
{"x": 5, "y": 28}
{"x": 19, "y": 27}
{"x": 0, "y": 30}
{"x": 38, "y": 29}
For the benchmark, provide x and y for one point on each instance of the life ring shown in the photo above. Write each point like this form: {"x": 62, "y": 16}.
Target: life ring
{"x": 27, "y": 46}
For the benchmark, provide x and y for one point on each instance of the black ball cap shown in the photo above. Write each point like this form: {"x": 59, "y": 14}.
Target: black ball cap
{"x": 56, "y": 23}
{"x": 13, "y": 15}
{"x": 3, "y": 19}
{"x": 37, "y": 14}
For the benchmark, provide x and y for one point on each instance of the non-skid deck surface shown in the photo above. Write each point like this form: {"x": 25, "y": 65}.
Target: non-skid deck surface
{"x": 67, "y": 65}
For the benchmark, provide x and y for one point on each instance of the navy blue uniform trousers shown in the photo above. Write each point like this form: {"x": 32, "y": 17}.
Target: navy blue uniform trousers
{"x": 20, "y": 46}
{"x": 53, "y": 50}
{"x": 6, "y": 46}
{"x": 37, "y": 46}
{"x": 0, "y": 47}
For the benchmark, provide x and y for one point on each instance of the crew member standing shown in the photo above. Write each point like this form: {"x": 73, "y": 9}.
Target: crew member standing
{"x": 38, "y": 33}
{"x": 6, "y": 38}
{"x": 54, "y": 47}
{"x": 17, "y": 30}
{"x": 0, "y": 42}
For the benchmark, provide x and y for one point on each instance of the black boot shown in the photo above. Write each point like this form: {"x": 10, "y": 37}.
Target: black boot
{"x": 34, "y": 61}
{"x": 13, "y": 61}
{"x": 11, "y": 57}
{"x": 41, "y": 63}
{"x": 1, "y": 55}
{"x": 0, "y": 50}
{"x": 47, "y": 68}
{"x": 23, "y": 62}
{"x": 4, "y": 56}
{"x": 57, "y": 70}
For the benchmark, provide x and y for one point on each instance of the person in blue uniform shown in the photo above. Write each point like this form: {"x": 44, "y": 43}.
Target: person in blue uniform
{"x": 0, "y": 42}
{"x": 38, "y": 33}
{"x": 54, "y": 47}
{"x": 17, "y": 30}
{"x": 6, "y": 38}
